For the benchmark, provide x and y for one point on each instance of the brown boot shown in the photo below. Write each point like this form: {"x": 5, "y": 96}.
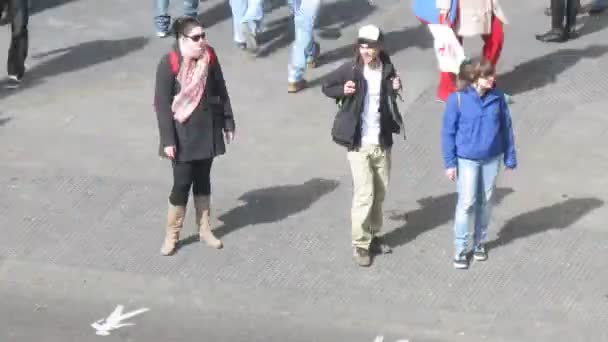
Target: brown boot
{"x": 175, "y": 221}
{"x": 202, "y": 206}
{"x": 294, "y": 87}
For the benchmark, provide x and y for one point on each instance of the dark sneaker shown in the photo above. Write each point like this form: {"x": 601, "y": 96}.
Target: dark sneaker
{"x": 314, "y": 61}
{"x": 162, "y": 23}
{"x": 553, "y": 36}
{"x": 572, "y": 34}
{"x": 461, "y": 262}
{"x": 480, "y": 253}
{"x": 241, "y": 46}
{"x": 294, "y": 87}
{"x": 13, "y": 82}
{"x": 378, "y": 246}
{"x": 362, "y": 257}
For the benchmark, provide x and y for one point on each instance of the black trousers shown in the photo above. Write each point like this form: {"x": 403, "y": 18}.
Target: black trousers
{"x": 564, "y": 9}
{"x": 18, "y": 14}
{"x": 195, "y": 174}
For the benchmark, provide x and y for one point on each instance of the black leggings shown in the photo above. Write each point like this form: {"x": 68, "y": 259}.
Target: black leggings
{"x": 17, "y": 52}
{"x": 195, "y": 174}
{"x": 561, "y": 9}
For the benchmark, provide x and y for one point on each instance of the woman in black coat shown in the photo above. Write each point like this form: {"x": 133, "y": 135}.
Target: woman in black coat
{"x": 194, "y": 118}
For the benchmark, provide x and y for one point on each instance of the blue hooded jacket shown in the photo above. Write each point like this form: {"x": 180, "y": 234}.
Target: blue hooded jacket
{"x": 426, "y": 10}
{"x": 479, "y": 128}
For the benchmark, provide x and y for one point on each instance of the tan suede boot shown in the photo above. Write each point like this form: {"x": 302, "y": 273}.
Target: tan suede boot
{"x": 175, "y": 221}
{"x": 202, "y": 206}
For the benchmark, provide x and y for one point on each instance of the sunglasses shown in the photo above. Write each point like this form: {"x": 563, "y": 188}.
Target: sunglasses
{"x": 368, "y": 46}
{"x": 198, "y": 37}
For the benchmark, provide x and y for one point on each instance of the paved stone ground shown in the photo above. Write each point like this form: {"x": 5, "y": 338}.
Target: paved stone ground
{"x": 84, "y": 195}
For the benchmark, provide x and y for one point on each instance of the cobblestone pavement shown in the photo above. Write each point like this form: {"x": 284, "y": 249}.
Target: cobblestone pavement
{"x": 84, "y": 195}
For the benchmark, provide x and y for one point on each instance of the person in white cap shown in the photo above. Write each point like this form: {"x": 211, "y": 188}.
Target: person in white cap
{"x": 365, "y": 89}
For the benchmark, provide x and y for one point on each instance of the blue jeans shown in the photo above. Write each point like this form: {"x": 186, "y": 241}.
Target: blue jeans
{"x": 476, "y": 183}
{"x": 162, "y": 18}
{"x": 303, "y": 49}
{"x": 250, "y": 12}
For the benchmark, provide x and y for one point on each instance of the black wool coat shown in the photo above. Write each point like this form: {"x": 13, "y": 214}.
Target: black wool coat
{"x": 201, "y": 136}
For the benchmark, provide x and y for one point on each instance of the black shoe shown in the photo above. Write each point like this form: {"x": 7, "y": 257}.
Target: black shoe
{"x": 480, "y": 253}
{"x": 294, "y": 87}
{"x": 378, "y": 246}
{"x": 13, "y": 82}
{"x": 362, "y": 257}
{"x": 553, "y": 36}
{"x": 572, "y": 34}
{"x": 461, "y": 262}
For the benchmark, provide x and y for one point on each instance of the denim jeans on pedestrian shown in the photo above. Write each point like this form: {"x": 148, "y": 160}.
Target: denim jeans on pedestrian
{"x": 250, "y": 12}
{"x": 303, "y": 49}
{"x": 162, "y": 18}
{"x": 476, "y": 183}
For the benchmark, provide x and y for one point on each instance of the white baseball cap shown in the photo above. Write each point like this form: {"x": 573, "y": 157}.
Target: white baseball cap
{"x": 369, "y": 34}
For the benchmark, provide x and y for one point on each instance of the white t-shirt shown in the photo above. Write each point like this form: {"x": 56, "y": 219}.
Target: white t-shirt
{"x": 370, "y": 129}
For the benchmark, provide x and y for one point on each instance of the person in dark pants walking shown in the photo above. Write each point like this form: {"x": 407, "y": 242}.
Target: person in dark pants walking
{"x": 195, "y": 121}
{"x": 18, "y": 15}
{"x": 561, "y": 9}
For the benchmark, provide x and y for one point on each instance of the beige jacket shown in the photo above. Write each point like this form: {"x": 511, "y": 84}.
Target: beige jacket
{"x": 475, "y": 16}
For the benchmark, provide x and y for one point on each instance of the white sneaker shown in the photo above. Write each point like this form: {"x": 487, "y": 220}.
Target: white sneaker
{"x": 13, "y": 82}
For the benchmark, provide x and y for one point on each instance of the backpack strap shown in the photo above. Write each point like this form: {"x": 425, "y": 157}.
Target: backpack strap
{"x": 212, "y": 57}
{"x": 174, "y": 62}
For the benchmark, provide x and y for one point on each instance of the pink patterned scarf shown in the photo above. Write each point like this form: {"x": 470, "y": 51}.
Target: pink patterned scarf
{"x": 192, "y": 78}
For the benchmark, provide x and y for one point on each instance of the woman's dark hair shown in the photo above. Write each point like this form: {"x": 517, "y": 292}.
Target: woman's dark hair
{"x": 470, "y": 71}
{"x": 181, "y": 24}
{"x": 373, "y": 44}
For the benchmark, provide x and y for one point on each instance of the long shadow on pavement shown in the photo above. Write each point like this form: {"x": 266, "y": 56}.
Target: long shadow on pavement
{"x": 77, "y": 57}
{"x": 433, "y": 212}
{"x": 333, "y": 18}
{"x": 541, "y": 71}
{"x": 557, "y": 216}
{"x": 394, "y": 42}
{"x": 4, "y": 121}
{"x": 593, "y": 23}
{"x": 214, "y": 15}
{"x": 41, "y": 5}
{"x": 274, "y": 204}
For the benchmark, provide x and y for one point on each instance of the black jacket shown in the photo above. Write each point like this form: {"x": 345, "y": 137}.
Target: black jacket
{"x": 200, "y": 137}
{"x": 346, "y": 130}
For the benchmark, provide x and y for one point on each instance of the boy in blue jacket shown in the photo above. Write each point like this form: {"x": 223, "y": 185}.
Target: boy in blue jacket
{"x": 476, "y": 135}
